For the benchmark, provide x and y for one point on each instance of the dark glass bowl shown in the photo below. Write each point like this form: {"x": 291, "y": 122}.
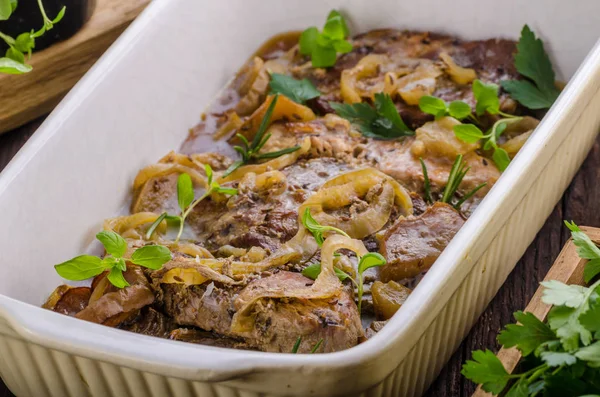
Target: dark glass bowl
{"x": 27, "y": 16}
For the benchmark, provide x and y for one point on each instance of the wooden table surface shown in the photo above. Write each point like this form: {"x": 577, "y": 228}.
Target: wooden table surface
{"x": 579, "y": 203}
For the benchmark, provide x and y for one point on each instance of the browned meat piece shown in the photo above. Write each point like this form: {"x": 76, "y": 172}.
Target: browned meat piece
{"x": 279, "y": 322}
{"x": 200, "y": 337}
{"x": 413, "y": 244}
{"x": 150, "y": 322}
{"x": 68, "y": 300}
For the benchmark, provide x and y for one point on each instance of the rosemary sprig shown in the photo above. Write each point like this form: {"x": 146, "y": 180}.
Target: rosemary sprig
{"x": 427, "y": 183}
{"x": 312, "y": 351}
{"x": 249, "y": 150}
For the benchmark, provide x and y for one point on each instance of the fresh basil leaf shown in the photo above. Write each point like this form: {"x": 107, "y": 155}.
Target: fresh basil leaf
{"x": 324, "y": 46}
{"x": 487, "y": 370}
{"x": 80, "y": 268}
{"x": 113, "y": 243}
{"x": 323, "y": 57}
{"x": 468, "y": 133}
{"x": 226, "y": 190}
{"x": 151, "y": 256}
{"x": 116, "y": 278}
{"x": 432, "y": 105}
{"x": 342, "y": 46}
{"x": 372, "y": 259}
{"x": 335, "y": 13}
{"x": 185, "y": 191}
{"x": 10, "y": 66}
{"x": 121, "y": 264}
{"x": 459, "y": 110}
{"x": 334, "y": 28}
{"x": 528, "y": 335}
{"x": 298, "y": 91}
{"x": 501, "y": 159}
{"x": 486, "y": 96}
{"x": 15, "y": 55}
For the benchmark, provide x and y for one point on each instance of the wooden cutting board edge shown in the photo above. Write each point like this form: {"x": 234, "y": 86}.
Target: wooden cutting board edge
{"x": 567, "y": 268}
{"x": 57, "y": 68}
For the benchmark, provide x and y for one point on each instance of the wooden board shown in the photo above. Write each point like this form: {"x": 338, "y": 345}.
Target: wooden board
{"x": 58, "y": 68}
{"x": 568, "y": 268}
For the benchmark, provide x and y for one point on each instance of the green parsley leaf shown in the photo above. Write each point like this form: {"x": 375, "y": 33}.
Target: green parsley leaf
{"x": 590, "y": 354}
{"x": 487, "y": 370}
{"x": 116, "y": 278}
{"x": 590, "y": 319}
{"x": 10, "y": 66}
{"x": 586, "y": 248}
{"x": 382, "y": 121}
{"x": 527, "y": 336}
{"x": 468, "y": 133}
{"x": 533, "y": 62}
{"x": 556, "y": 359}
{"x": 324, "y": 46}
{"x": 151, "y": 256}
{"x": 459, "y": 110}
{"x": 564, "y": 321}
{"x": 80, "y": 268}
{"x": 519, "y": 389}
{"x": 312, "y": 271}
{"x": 486, "y": 96}
{"x": 560, "y": 294}
{"x": 185, "y": 191}
{"x": 298, "y": 91}
{"x": 114, "y": 244}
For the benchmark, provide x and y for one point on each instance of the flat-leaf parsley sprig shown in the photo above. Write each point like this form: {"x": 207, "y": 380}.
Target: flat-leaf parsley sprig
{"x": 14, "y": 60}
{"x": 323, "y": 47}
{"x": 186, "y": 202}
{"x": 380, "y": 121}
{"x": 563, "y": 353}
{"x": 84, "y": 267}
{"x": 298, "y": 91}
{"x": 250, "y": 150}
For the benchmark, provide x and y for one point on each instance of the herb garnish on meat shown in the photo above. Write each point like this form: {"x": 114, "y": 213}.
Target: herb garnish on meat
{"x": 86, "y": 266}
{"x": 380, "y": 121}
{"x": 298, "y": 91}
{"x": 539, "y": 90}
{"x": 562, "y": 355}
{"x": 324, "y": 46}
{"x": 249, "y": 151}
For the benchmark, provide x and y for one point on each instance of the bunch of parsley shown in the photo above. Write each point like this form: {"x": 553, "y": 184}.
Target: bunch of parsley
{"x": 561, "y": 355}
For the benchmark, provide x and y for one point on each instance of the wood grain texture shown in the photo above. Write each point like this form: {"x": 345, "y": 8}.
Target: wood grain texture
{"x": 58, "y": 68}
{"x": 579, "y": 203}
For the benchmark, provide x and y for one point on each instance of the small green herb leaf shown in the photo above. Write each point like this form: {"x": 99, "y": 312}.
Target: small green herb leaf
{"x": 316, "y": 228}
{"x": 533, "y": 62}
{"x": 590, "y": 354}
{"x": 25, "y": 42}
{"x": 151, "y": 256}
{"x": 116, "y": 278}
{"x": 312, "y": 271}
{"x": 80, "y": 268}
{"x": 298, "y": 91}
{"x": 487, "y": 370}
{"x": 560, "y": 294}
{"x": 459, "y": 110}
{"x": 114, "y": 244}
{"x": 556, "y": 359}
{"x": 528, "y": 335}
{"x": 297, "y": 345}
{"x": 154, "y": 225}
{"x": 6, "y": 9}
{"x": 426, "y": 182}
{"x": 308, "y": 40}
{"x": 323, "y": 46}
{"x": 185, "y": 191}
{"x": 316, "y": 346}
{"x": 60, "y": 15}
{"x": 501, "y": 158}
{"x": 372, "y": 259}
{"x": 15, "y": 55}
{"x": 468, "y": 133}
{"x": 591, "y": 270}
{"x": 586, "y": 248}
{"x": 10, "y": 66}
{"x": 486, "y": 96}
{"x": 432, "y": 105}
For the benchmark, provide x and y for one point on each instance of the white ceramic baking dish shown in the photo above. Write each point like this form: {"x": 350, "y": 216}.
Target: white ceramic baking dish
{"x": 138, "y": 102}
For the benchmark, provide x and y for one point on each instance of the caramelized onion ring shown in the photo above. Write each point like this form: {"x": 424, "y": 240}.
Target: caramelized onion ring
{"x": 344, "y": 189}
{"x": 369, "y": 66}
{"x": 162, "y": 169}
{"x": 127, "y": 225}
{"x": 458, "y": 74}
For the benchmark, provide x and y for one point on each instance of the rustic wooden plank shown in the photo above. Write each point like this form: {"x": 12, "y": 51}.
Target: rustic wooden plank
{"x": 58, "y": 68}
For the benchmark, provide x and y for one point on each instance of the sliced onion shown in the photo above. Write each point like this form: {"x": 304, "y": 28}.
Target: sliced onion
{"x": 127, "y": 225}
{"x": 325, "y": 286}
{"x": 162, "y": 169}
{"x": 344, "y": 189}
{"x": 351, "y": 88}
{"x": 438, "y": 138}
{"x": 115, "y": 303}
{"x": 232, "y": 123}
{"x": 458, "y": 74}
{"x": 419, "y": 83}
